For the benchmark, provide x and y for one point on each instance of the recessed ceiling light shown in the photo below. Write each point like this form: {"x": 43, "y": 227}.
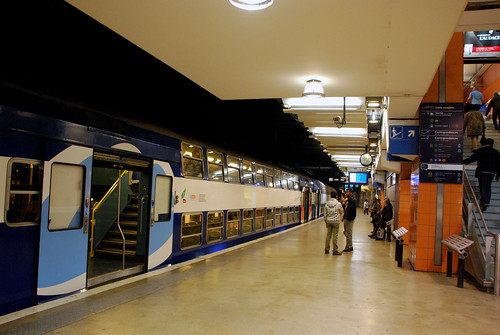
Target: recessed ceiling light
{"x": 251, "y": 4}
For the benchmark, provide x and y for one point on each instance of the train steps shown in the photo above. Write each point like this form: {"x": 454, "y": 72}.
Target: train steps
{"x": 112, "y": 244}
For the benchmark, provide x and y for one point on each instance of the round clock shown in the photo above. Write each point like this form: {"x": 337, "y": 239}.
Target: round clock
{"x": 366, "y": 159}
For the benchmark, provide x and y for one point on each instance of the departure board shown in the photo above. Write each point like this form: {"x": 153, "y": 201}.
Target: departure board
{"x": 441, "y": 142}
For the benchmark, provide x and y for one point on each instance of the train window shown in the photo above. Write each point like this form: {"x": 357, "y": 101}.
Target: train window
{"x": 259, "y": 219}
{"x": 295, "y": 182}
{"x": 259, "y": 175}
{"x": 277, "y": 216}
{"x": 24, "y": 192}
{"x": 284, "y": 184}
{"x": 233, "y": 170}
{"x": 215, "y": 223}
{"x": 192, "y": 161}
{"x": 269, "y": 217}
{"x": 247, "y": 172}
{"x": 284, "y": 215}
{"x": 277, "y": 178}
{"x": 163, "y": 198}
{"x": 269, "y": 177}
{"x": 233, "y": 223}
{"x": 215, "y": 166}
{"x": 290, "y": 182}
{"x": 247, "y": 221}
{"x": 66, "y": 197}
{"x": 191, "y": 228}
{"x": 297, "y": 213}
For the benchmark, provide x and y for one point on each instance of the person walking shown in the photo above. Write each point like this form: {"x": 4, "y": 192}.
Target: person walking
{"x": 476, "y": 99}
{"x": 366, "y": 207}
{"x": 495, "y": 105}
{"x": 333, "y": 217}
{"x": 488, "y": 164}
{"x": 349, "y": 216}
{"x": 475, "y": 126}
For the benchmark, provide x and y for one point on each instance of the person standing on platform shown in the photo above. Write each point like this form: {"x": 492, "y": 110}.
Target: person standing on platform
{"x": 349, "y": 216}
{"x": 386, "y": 214}
{"x": 366, "y": 207}
{"x": 333, "y": 217}
{"x": 476, "y": 99}
{"x": 375, "y": 215}
{"x": 495, "y": 105}
{"x": 488, "y": 164}
{"x": 475, "y": 126}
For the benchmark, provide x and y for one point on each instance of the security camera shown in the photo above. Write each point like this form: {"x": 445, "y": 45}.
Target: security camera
{"x": 337, "y": 119}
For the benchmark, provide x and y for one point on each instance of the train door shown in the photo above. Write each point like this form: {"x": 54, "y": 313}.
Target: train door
{"x": 119, "y": 217}
{"x": 161, "y": 222}
{"x": 62, "y": 264}
{"x": 306, "y": 198}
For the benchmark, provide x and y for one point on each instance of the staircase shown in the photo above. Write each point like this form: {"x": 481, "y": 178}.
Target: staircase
{"x": 112, "y": 244}
{"x": 482, "y": 264}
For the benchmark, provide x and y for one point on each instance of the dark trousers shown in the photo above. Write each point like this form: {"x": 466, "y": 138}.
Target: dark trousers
{"x": 485, "y": 180}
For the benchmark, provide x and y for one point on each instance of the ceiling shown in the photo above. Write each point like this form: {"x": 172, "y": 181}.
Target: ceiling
{"x": 249, "y": 60}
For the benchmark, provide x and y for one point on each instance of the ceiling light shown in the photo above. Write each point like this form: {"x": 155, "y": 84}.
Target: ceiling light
{"x": 324, "y": 104}
{"x": 373, "y": 104}
{"x": 373, "y": 144}
{"x": 251, "y": 4}
{"x": 313, "y": 89}
{"x": 338, "y": 132}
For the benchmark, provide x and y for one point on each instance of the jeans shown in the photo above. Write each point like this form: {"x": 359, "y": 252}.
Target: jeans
{"x": 485, "y": 180}
{"x": 348, "y": 233}
{"x": 332, "y": 229}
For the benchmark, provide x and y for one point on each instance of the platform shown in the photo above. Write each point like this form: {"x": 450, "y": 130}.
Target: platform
{"x": 282, "y": 284}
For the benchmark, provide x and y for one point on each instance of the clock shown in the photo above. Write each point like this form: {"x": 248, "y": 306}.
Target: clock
{"x": 366, "y": 159}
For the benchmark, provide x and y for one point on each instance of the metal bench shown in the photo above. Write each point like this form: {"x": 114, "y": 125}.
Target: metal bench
{"x": 398, "y": 234}
{"x": 458, "y": 244}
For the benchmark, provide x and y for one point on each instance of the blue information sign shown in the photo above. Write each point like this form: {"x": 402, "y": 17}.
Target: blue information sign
{"x": 403, "y": 140}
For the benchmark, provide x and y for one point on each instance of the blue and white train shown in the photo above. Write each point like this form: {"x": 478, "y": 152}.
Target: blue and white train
{"x": 81, "y": 206}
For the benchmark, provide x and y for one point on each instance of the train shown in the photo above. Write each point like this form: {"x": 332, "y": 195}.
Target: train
{"x": 86, "y": 202}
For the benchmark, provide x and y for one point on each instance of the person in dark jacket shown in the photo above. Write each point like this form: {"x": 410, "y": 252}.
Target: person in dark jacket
{"x": 385, "y": 216}
{"x": 349, "y": 216}
{"x": 495, "y": 105}
{"x": 488, "y": 164}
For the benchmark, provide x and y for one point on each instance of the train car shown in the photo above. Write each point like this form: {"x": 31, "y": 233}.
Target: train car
{"x": 81, "y": 205}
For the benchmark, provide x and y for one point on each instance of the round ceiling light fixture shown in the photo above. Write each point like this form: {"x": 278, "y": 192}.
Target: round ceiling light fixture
{"x": 251, "y": 4}
{"x": 313, "y": 89}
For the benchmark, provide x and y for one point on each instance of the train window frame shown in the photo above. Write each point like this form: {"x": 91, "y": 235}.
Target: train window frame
{"x": 260, "y": 177}
{"x": 295, "y": 182}
{"x": 271, "y": 209}
{"x": 247, "y": 180}
{"x": 191, "y": 159}
{"x": 56, "y": 197}
{"x": 220, "y": 165}
{"x": 245, "y": 220}
{"x": 231, "y": 160}
{"x": 269, "y": 175}
{"x": 163, "y": 198}
{"x": 215, "y": 228}
{"x": 200, "y": 234}
{"x": 284, "y": 214}
{"x": 237, "y": 221}
{"x": 9, "y": 192}
{"x": 260, "y": 216}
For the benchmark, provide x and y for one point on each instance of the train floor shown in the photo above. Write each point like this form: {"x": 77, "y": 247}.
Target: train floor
{"x": 281, "y": 284}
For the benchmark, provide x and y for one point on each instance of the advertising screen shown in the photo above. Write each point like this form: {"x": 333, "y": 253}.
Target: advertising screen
{"x": 482, "y": 45}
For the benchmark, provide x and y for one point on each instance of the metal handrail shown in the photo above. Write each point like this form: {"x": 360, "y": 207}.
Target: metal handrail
{"x": 96, "y": 207}
{"x": 471, "y": 197}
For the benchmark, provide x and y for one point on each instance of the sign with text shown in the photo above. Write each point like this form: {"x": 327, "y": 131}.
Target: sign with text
{"x": 441, "y": 142}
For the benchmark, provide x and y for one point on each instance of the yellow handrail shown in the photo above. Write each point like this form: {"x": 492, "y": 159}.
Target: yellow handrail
{"x": 96, "y": 207}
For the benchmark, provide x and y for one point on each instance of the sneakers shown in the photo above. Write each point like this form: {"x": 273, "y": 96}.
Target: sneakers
{"x": 348, "y": 250}
{"x": 336, "y": 253}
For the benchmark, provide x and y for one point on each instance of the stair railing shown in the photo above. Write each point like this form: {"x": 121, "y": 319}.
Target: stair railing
{"x": 479, "y": 222}
{"x": 99, "y": 204}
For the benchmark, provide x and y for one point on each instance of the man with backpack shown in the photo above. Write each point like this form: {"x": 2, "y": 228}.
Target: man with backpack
{"x": 333, "y": 216}
{"x": 495, "y": 105}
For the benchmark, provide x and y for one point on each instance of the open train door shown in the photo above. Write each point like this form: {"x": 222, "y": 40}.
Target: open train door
{"x": 64, "y": 219}
{"x": 162, "y": 216}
